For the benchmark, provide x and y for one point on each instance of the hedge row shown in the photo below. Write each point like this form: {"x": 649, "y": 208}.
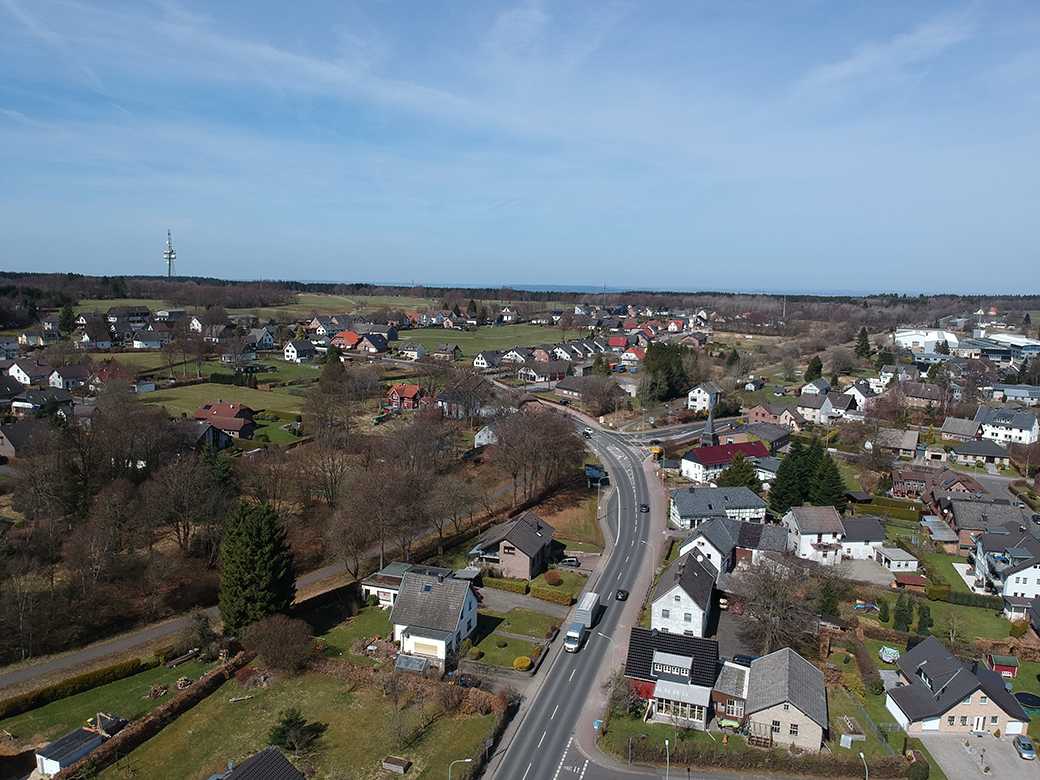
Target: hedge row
{"x": 513, "y": 586}
{"x": 975, "y": 600}
{"x": 938, "y": 593}
{"x": 554, "y": 596}
{"x": 16, "y": 705}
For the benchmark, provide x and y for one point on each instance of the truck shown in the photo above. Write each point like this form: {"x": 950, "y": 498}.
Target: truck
{"x": 588, "y": 607}
{"x": 575, "y": 636}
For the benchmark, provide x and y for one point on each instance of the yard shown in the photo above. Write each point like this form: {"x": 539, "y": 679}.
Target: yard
{"x": 624, "y": 728}
{"x": 500, "y": 337}
{"x": 570, "y": 582}
{"x": 839, "y": 705}
{"x": 975, "y": 621}
{"x": 943, "y": 564}
{"x": 202, "y": 741}
{"x": 525, "y": 622}
{"x": 368, "y": 623}
{"x": 124, "y": 698}
{"x": 573, "y": 512}
{"x": 188, "y": 399}
{"x": 502, "y": 650}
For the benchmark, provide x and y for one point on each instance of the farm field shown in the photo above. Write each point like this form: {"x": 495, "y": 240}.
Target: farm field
{"x": 503, "y": 337}
{"x": 201, "y": 741}
{"x": 187, "y": 399}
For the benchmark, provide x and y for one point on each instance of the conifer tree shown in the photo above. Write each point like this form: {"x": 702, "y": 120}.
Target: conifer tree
{"x": 814, "y": 370}
{"x": 67, "y": 319}
{"x": 863, "y": 344}
{"x": 808, "y": 468}
{"x": 828, "y": 599}
{"x": 924, "y": 619}
{"x": 740, "y": 472}
{"x": 828, "y": 487}
{"x": 256, "y": 572}
{"x": 784, "y": 491}
{"x": 883, "y": 611}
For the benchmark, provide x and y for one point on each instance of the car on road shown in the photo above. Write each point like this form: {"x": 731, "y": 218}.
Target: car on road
{"x": 588, "y": 433}
{"x": 655, "y": 441}
{"x": 1036, "y": 519}
{"x": 644, "y": 507}
{"x": 621, "y": 595}
{"x": 570, "y": 562}
{"x": 738, "y": 609}
{"x": 1024, "y": 747}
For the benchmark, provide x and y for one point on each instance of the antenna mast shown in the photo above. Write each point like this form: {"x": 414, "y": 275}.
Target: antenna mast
{"x": 169, "y": 256}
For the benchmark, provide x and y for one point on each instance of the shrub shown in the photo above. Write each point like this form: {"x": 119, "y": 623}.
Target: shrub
{"x": 501, "y": 643}
{"x": 475, "y": 653}
{"x": 975, "y": 600}
{"x": 294, "y": 733}
{"x": 282, "y": 642}
{"x": 553, "y": 578}
{"x": 997, "y": 733}
{"x": 513, "y": 586}
{"x": 1018, "y": 628}
{"x": 854, "y": 684}
{"x": 883, "y": 612}
{"x": 467, "y": 643}
{"x": 554, "y": 596}
{"x": 938, "y": 593}
{"x": 522, "y": 663}
{"x": 537, "y": 651}
{"x": 917, "y": 771}
{"x": 877, "y": 686}
{"x": 372, "y": 600}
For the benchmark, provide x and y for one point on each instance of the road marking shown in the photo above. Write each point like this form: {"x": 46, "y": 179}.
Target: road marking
{"x": 583, "y": 769}
{"x": 619, "y": 575}
{"x": 572, "y": 675}
{"x": 627, "y": 557}
{"x": 543, "y": 737}
{"x": 554, "y": 712}
{"x": 525, "y": 772}
{"x": 562, "y": 758}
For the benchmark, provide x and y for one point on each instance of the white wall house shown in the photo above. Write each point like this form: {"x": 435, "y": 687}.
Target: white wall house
{"x": 298, "y": 351}
{"x": 432, "y": 615}
{"x": 681, "y": 602}
{"x": 703, "y": 397}
{"x": 1007, "y": 426}
{"x": 815, "y": 533}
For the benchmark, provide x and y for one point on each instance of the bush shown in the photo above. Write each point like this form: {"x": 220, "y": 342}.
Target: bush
{"x": 475, "y": 653}
{"x": 282, "y": 642}
{"x": 537, "y": 651}
{"x": 554, "y": 596}
{"x": 917, "y": 771}
{"x": 975, "y": 600}
{"x": 294, "y": 733}
{"x": 522, "y": 664}
{"x": 1018, "y": 628}
{"x": 513, "y": 586}
{"x": 501, "y": 643}
{"x": 372, "y": 600}
{"x": 854, "y": 684}
{"x": 883, "y": 611}
{"x": 938, "y": 593}
{"x": 553, "y": 578}
{"x": 467, "y": 643}
{"x": 877, "y": 686}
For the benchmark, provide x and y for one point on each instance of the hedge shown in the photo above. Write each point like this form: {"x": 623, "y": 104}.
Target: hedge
{"x": 938, "y": 593}
{"x": 16, "y": 705}
{"x": 554, "y": 596}
{"x": 976, "y": 600}
{"x": 513, "y": 586}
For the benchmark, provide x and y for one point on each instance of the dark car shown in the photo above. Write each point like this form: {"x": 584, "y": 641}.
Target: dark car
{"x": 1036, "y": 519}
{"x": 743, "y": 660}
{"x": 621, "y": 595}
{"x": 644, "y": 507}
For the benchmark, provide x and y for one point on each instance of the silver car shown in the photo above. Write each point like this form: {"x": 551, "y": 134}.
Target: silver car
{"x": 1024, "y": 747}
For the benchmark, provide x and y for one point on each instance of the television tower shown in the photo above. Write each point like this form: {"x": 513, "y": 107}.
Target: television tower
{"x": 169, "y": 256}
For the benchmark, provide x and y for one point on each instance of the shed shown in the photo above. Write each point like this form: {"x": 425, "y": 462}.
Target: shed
{"x": 914, "y": 582}
{"x": 66, "y": 751}
{"x": 1004, "y": 665}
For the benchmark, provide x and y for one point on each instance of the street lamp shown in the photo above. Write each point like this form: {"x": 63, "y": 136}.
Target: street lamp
{"x": 866, "y": 772}
{"x": 667, "y": 760}
{"x": 469, "y": 760}
{"x": 613, "y": 651}
{"x": 652, "y": 550}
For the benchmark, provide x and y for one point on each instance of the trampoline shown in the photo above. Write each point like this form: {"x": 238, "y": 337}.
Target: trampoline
{"x": 1030, "y": 701}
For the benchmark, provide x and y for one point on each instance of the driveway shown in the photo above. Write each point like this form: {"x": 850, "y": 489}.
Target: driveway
{"x": 504, "y": 600}
{"x": 966, "y": 763}
{"x": 724, "y": 627}
{"x": 870, "y": 571}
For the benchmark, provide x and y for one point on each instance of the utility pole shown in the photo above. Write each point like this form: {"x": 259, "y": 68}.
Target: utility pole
{"x": 169, "y": 256}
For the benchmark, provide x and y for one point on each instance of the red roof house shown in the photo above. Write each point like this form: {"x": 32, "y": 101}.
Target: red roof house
{"x": 407, "y": 397}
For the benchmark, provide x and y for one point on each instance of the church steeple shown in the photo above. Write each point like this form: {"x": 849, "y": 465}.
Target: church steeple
{"x": 708, "y": 436}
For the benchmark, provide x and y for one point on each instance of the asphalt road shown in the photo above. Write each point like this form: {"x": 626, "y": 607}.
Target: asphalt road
{"x": 545, "y": 744}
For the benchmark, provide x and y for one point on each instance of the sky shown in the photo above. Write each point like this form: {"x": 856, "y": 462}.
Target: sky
{"x": 796, "y": 146}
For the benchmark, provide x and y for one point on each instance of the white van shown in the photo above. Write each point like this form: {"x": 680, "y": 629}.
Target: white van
{"x": 575, "y": 636}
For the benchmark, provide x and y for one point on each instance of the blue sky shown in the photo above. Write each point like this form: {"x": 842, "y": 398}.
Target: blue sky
{"x": 792, "y": 146}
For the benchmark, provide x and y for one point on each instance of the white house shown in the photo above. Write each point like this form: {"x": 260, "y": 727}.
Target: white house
{"x": 703, "y": 397}
{"x": 681, "y": 603}
{"x": 486, "y": 435}
{"x": 1008, "y": 556}
{"x": 859, "y": 535}
{"x": 487, "y": 360}
{"x": 68, "y": 377}
{"x": 896, "y": 559}
{"x": 385, "y": 584}
{"x": 260, "y": 338}
{"x": 689, "y": 507}
{"x": 144, "y": 339}
{"x": 432, "y": 615}
{"x": 1006, "y": 426}
{"x": 815, "y": 533}
{"x": 299, "y": 351}
{"x": 816, "y": 387}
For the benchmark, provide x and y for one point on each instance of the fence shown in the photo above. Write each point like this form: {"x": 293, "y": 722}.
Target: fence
{"x": 878, "y": 732}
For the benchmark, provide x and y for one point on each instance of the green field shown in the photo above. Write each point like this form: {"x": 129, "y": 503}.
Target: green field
{"x": 525, "y": 622}
{"x": 188, "y": 399}
{"x": 503, "y": 656}
{"x": 502, "y": 337}
{"x": 202, "y": 741}
{"x": 570, "y": 582}
{"x": 367, "y": 624}
{"x": 123, "y": 698}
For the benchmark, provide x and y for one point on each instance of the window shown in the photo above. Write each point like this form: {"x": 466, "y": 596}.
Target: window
{"x": 794, "y": 730}
{"x": 735, "y": 708}
{"x": 776, "y": 727}
{"x": 964, "y": 720}
{"x": 984, "y": 700}
{"x": 950, "y": 720}
{"x": 688, "y": 617}
{"x": 677, "y": 597}
{"x": 967, "y": 699}
{"x": 787, "y": 707}
{"x": 664, "y": 630}
{"x": 687, "y": 632}
{"x": 665, "y": 614}
{"x": 994, "y": 720}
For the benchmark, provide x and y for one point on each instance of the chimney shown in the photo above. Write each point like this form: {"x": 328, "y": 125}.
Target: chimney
{"x": 440, "y": 578}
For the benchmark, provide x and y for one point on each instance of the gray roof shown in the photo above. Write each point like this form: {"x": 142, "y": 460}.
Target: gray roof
{"x": 894, "y": 438}
{"x": 820, "y": 384}
{"x": 709, "y": 387}
{"x": 70, "y": 745}
{"x": 938, "y": 530}
{"x": 713, "y": 502}
{"x": 768, "y": 432}
{"x": 1009, "y": 418}
{"x": 429, "y": 602}
{"x": 816, "y": 519}
{"x": 732, "y": 679}
{"x": 811, "y": 401}
{"x": 978, "y": 515}
{"x": 268, "y": 764}
{"x": 956, "y": 426}
{"x": 696, "y": 578}
{"x": 862, "y": 529}
{"x": 784, "y": 676}
{"x": 528, "y": 533}
{"x": 981, "y": 449}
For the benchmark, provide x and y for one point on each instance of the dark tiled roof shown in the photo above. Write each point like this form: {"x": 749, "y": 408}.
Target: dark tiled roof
{"x": 978, "y": 515}
{"x": 959, "y": 427}
{"x": 68, "y": 746}
{"x": 756, "y": 536}
{"x": 268, "y": 764}
{"x": 643, "y": 642}
{"x": 713, "y": 502}
{"x": 429, "y": 602}
{"x": 981, "y": 449}
{"x": 696, "y": 578}
{"x": 862, "y": 529}
{"x": 528, "y": 533}
{"x": 989, "y": 415}
{"x": 784, "y": 676}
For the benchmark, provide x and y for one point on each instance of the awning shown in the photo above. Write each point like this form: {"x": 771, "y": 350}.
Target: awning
{"x": 689, "y": 694}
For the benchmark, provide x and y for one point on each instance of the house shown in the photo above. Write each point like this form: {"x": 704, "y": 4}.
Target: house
{"x": 68, "y": 377}
{"x": 824, "y": 407}
{"x": 1004, "y": 665}
{"x": 726, "y": 543}
{"x": 9, "y": 388}
{"x": 985, "y": 451}
{"x": 208, "y": 436}
{"x": 816, "y": 387}
{"x": 862, "y": 393}
{"x": 167, "y": 315}
{"x": 450, "y": 353}
{"x": 895, "y": 559}
{"x": 729, "y": 695}
{"x": 260, "y": 339}
{"x": 571, "y": 387}
{"x": 345, "y": 339}
{"x": 100, "y": 340}
{"x": 487, "y": 360}
{"x": 411, "y": 350}
{"x": 940, "y": 693}
{"x": 1007, "y": 557}
{"x": 31, "y": 401}
{"x": 907, "y": 483}
{"x": 1006, "y": 426}
{"x": 14, "y": 439}
{"x": 674, "y": 674}
{"x": 942, "y": 535}
{"x": 706, "y": 463}
{"x": 299, "y": 351}
{"x": 387, "y": 331}
{"x": 236, "y": 420}
{"x": 898, "y": 442}
{"x": 703, "y": 396}
{"x": 432, "y": 615}
{"x": 537, "y": 372}
{"x": 268, "y": 764}
{"x": 144, "y": 339}
{"x": 519, "y": 548}
{"x": 407, "y": 397}
{"x": 38, "y": 338}
{"x": 689, "y": 506}
{"x": 775, "y": 437}
{"x": 776, "y": 413}
{"x": 681, "y": 602}
{"x": 385, "y": 584}
{"x": 9, "y": 348}
{"x": 815, "y": 533}
{"x": 859, "y": 535}
{"x": 373, "y": 344}
{"x": 1026, "y": 395}
{"x": 754, "y": 384}
{"x": 969, "y": 515}
{"x": 786, "y": 702}
{"x": 30, "y": 372}
{"x": 129, "y": 314}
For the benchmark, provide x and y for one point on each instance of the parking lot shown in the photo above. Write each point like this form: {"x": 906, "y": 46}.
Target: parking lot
{"x": 967, "y": 763}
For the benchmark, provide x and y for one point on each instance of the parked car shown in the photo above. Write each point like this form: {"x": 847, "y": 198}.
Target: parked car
{"x": 570, "y": 562}
{"x": 723, "y": 602}
{"x": 743, "y": 660}
{"x": 621, "y": 595}
{"x": 738, "y": 609}
{"x": 644, "y": 507}
{"x": 1024, "y": 747}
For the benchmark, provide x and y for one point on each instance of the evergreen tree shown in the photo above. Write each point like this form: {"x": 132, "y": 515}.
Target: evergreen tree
{"x": 807, "y": 469}
{"x": 456, "y": 311}
{"x": 827, "y": 601}
{"x": 664, "y": 363}
{"x": 482, "y": 317}
{"x": 67, "y": 319}
{"x": 883, "y": 611}
{"x": 294, "y": 732}
{"x": 942, "y": 348}
{"x": 256, "y": 572}
{"x": 740, "y": 472}
{"x": 471, "y": 308}
{"x": 828, "y": 487}
{"x": 924, "y": 620}
{"x": 732, "y": 359}
{"x": 784, "y": 492}
{"x": 1027, "y": 319}
{"x": 814, "y": 370}
{"x": 863, "y": 344}
{"x": 1023, "y": 372}
{"x": 903, "y": 615}
{"x": 599, "y": 365}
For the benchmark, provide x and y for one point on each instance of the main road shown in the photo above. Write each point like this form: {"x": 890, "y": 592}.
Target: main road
{"x": 545, "y": 744}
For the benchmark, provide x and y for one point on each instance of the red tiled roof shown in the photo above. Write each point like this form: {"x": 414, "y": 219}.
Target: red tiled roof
{"x": 910, "y": 579}
{"x": 724, "y": 453}
{"x": 209, "y": 411}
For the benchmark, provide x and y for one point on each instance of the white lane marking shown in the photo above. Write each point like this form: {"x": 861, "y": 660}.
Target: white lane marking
{"x": 554, "y": 712}
{"x": 525, "y": 772}
{"x": 543, "y": 737}
{"x": 619, "y": 575}
{"x": 572, "y": 675}
{"x": 563, "y": 757}
{"x": 583, "y": 769}
{"x": 627, "y": 557}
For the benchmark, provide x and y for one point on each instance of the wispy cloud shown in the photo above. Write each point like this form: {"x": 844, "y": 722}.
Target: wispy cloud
{"x": 54, "y": 42}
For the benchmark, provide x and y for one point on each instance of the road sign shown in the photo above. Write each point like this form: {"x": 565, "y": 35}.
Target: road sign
{"x": 596, "y": 724}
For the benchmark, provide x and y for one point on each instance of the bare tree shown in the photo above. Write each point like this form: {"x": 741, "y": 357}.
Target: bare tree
{"x": 350, "y": 535}
{"x": 776, "y": 604}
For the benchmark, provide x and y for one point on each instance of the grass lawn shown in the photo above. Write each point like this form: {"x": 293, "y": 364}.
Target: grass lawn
{"x": 849, "y": 473}
{"x": 502, "y": 337}
{"x": 526, "y": 622}
{"x": 978, "y": 621}
{"x": 274, "y": 432}
{"x": 578, "y": 524}
{"x": 504, "y": 656}
{"x": 570, "y": 582}
{"x": 370, "y": 622}
{"x": 123, "y": 698}
{"x": 874, "y": 646}
{"x": 203, "y": 740}
{"x": 944, "y": 565}
{"x": 615, "y": 741}
{"x": 189, "y": 399}
{"x": 840, "y": 704}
